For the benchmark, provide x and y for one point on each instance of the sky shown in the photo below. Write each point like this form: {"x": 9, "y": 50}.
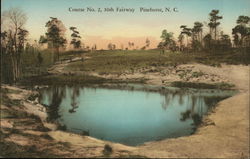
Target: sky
{"x": 121, "y": 27}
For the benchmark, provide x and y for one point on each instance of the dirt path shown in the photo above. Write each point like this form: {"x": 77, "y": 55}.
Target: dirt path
{"x": 58, "y": 68}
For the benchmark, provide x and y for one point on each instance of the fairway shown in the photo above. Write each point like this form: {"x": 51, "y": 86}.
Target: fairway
{"x": 120, "y": 61}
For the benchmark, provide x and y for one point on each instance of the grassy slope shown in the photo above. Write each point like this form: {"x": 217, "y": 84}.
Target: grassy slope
{"x": 30, "y": 64}
{"x": 120, "y": 61}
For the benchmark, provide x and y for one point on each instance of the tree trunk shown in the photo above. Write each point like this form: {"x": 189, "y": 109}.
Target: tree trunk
{"x": 215, "y": 31}
{"x": 187, "y": 40}
{"x": 54, "y": 55}
{"x": 201, "y": 38}
{"x": 57, "y": 51}
{"x": 13, "y": 68}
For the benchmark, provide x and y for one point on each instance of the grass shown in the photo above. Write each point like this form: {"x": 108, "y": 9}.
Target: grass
{"x": 30, "y": 64}
{"x": 221, "y": 85}
{"x": 71, "y": 53}
{"x": 197, "y": 74}
{"x": 120, "y": 61}
{"x": 61, "y": 80}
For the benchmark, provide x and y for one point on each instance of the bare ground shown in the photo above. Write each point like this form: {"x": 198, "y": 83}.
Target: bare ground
{"x": 226, "y": 137}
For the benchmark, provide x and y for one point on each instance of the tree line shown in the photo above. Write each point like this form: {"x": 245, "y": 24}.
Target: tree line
{"x": 194, "y": 39}
{"x": 14, "y": 42}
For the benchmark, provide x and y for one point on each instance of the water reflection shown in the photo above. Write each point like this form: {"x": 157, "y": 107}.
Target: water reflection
{"x": 55, "y": 96}
{"x": 132, "y": 115}
{"x": 74, "y": 95}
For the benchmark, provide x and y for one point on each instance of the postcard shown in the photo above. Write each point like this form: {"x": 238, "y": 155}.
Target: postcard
{"x": 125, "y": 78}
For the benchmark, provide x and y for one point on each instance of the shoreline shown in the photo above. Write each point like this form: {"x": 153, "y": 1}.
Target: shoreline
{"x": 171, "y": 147}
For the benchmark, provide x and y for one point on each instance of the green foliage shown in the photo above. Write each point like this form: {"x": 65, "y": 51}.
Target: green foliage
{"x": 117, "y": 61}
{"x": 120, "y": 61}
{"x": 107, "y": 150}
{"x": 147, "y": 43}
{"x": 62, "y": 79}
{"x": 132, "y": 44}
{"x": 75, "y": 41}
{"x": 196, "y": 45}
{"x": 35, "y": 61}
{"x": 111, "y": 46}
{"x": 197, "y": 74}
{"x": 214, "y": 23}
{"x": 182, "y": 74}
{"x": 186, "y": 31}
{"x": 225, "y": 42}
{"x": 197, "y": 36}
{"x": 167, "y": 41}
{"x": 221, "y": 85}
{"x": 180, "y": 39}
{"x": 54, "y": 36}
{"x": 241, "y": 32}
{"x": 43, "y": 39}
{"x": 12, "y": 45}
{"x": 39, "y": 58}
{"x": 243, "y": 20}
{"x": 166, "y": 36}
{"x": 224, "y": 85}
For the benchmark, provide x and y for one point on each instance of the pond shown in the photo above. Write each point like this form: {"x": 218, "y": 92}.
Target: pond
{"x": 130, "y": 115}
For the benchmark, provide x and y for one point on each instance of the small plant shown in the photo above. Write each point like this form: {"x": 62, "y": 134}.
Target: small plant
{"x": 107, "y": 150}
{"x": 33, "y": 97}
{"x": 102, "y": 73}
{"x": 197, "y": 74}
{"x": 182, "y": 75}
{"x": 62, "y": 127}
{"x": 46, "y": 136}
{"x": 224, "y": 85}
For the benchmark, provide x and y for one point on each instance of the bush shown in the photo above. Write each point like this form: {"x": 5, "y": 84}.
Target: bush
{"x": 107, "y": 150}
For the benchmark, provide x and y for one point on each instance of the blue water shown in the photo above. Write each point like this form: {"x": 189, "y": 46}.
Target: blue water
{"x": 130, "y": 117}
